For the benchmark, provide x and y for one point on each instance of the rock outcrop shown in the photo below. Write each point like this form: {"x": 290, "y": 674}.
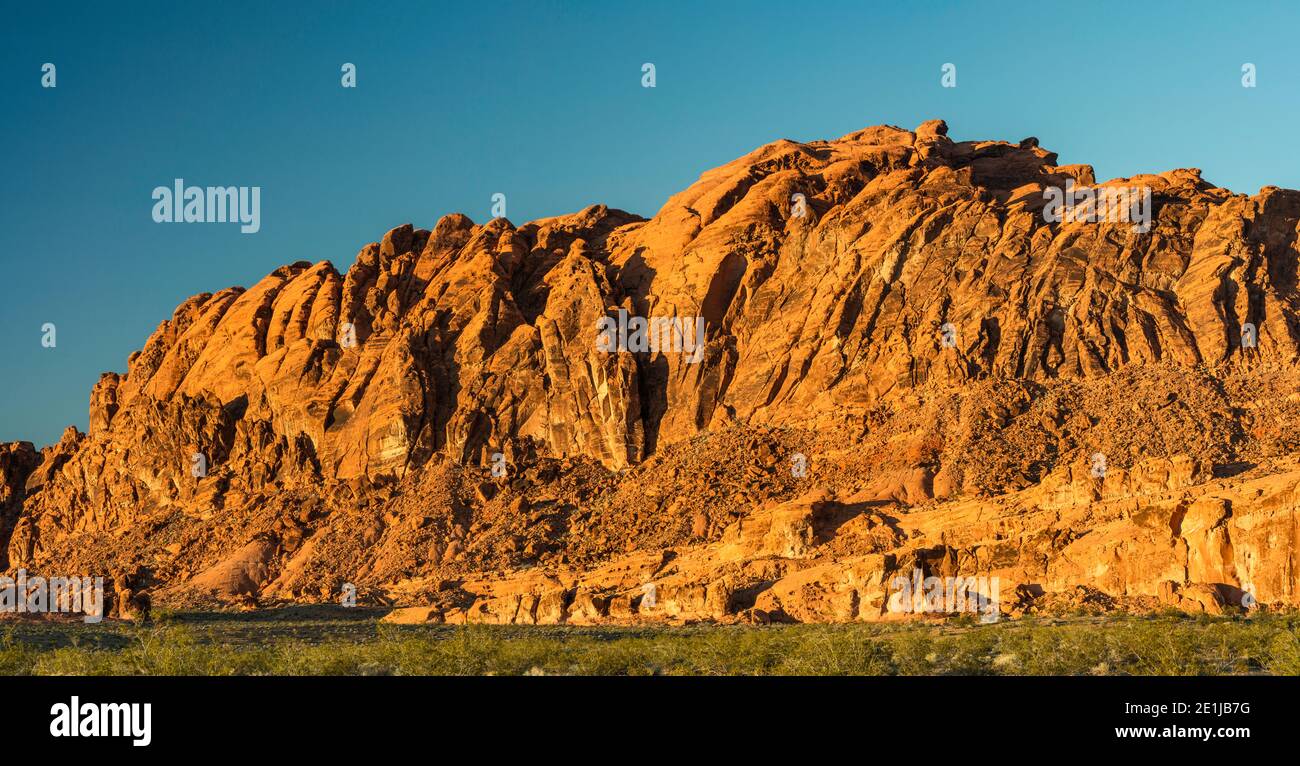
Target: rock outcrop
{"x": 903, "y": 365}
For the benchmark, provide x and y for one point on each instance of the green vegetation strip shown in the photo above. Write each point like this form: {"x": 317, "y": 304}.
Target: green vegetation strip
{"x": 323, "y": 642}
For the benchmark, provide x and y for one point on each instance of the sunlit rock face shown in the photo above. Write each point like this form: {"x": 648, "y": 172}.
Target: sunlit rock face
{"x": 911, "y": 331}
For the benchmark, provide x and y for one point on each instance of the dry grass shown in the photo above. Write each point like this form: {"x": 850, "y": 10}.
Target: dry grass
{"x": 314, "y": 641}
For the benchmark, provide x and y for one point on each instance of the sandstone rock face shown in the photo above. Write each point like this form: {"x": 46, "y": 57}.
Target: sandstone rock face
{"x": 903, "y": 366}
{"x": 17, "y": 462}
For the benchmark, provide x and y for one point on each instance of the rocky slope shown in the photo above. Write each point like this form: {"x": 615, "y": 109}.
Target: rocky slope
{"x": 910, "y": 368}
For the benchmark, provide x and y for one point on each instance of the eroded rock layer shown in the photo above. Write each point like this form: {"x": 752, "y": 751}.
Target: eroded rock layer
{"x": 905, "y": 366}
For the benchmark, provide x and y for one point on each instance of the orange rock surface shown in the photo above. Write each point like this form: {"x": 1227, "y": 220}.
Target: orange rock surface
{"x": 913, "y": 370}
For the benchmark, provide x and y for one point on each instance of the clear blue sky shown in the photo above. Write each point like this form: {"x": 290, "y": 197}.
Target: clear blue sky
{"x": 542, "y": 101}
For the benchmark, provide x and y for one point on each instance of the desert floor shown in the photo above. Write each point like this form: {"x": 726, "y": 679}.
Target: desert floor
{"x": 326, "y": 640}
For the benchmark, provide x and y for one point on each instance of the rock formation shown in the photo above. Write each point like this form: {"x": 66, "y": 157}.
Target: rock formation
{"x": 904, "y": 366}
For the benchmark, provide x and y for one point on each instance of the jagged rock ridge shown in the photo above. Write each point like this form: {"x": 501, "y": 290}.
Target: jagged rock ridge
{"x": 367, "y": 462}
